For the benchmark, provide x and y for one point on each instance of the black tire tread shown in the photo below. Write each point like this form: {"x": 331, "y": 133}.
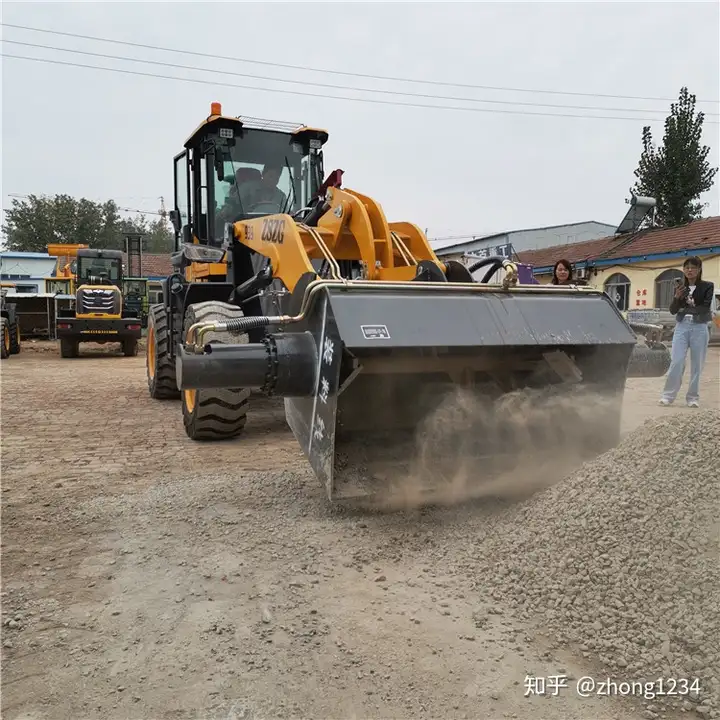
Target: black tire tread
{"x": 69, "y": 348}
{"x": 4, "y": 324}
{"x": 649, "y": 362}
{"x": 14, "y": 338}
{"x": 164, "y": 386}
{"x": 130, "y": 347}
{"x": 219, "y": 414}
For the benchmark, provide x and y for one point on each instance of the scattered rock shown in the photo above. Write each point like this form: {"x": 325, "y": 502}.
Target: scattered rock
{"x": 612, "y": 557}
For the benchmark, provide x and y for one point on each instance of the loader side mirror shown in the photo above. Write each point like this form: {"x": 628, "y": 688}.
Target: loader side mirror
{"x": 176, "y": 284}
{"x": 175, "y": 219}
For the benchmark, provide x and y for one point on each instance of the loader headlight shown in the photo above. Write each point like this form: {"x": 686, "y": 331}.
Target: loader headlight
{"x": 228, "y": 234}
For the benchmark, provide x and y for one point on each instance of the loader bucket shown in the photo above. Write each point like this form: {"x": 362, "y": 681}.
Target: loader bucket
{"x": 412, "y": 382}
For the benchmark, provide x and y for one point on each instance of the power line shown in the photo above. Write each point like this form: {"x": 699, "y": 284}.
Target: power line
{"x": 330, "y": 97}
{"x": 328, "y": 85}
{"x": 340, "y": 72}
{"x": 120, "y": 209}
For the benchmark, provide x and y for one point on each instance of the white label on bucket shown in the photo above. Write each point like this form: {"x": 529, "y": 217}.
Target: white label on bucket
{"x": 375, "y": 332}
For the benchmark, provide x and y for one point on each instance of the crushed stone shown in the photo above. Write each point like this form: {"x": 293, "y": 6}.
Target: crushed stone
{"x": 622, "y": 558}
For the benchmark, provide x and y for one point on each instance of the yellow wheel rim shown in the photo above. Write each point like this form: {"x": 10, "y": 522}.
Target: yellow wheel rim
{"x": 150, "y": 353}
{"x": 6, "y": 338}
{"x": 190, "y": 396}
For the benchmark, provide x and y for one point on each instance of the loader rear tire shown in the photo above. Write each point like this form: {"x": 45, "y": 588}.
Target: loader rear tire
{"x": 211, "y": 414}
{"x": 5, "y": 338}
{"x": 69, "y": 348}
{"x": 160, "y": 369}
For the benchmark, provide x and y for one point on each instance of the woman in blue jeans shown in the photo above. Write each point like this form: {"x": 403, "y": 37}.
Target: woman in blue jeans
{"x": 691, "y": 306}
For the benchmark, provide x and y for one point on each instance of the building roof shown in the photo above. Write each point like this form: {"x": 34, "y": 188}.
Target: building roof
{"x": 459, "y": 241}
{"x": 704, "y": 233}
{"x": 25, "y": 255}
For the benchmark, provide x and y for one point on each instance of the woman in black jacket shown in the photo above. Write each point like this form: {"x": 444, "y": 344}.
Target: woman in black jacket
{"x": 691, "y": 306}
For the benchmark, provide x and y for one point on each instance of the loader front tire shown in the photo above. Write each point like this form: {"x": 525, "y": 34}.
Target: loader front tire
{"x": 209, "y": 413}
{"x": 5, "y": 339}
{"x": 160, "y": 369}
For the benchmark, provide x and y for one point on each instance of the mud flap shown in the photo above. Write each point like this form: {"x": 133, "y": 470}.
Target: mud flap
{"x": 411, "y": 381}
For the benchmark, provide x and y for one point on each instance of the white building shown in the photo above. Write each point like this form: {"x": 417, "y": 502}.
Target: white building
{"x": 27, "y": 270}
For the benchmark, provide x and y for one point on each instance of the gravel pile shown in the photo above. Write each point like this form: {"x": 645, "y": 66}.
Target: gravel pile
{"x": 621, "y": 560}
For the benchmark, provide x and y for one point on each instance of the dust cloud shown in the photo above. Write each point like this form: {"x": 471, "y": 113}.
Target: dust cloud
{"x": 507, "y": 448}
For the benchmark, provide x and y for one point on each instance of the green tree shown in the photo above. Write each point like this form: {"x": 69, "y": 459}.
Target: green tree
{"x": 161, "y": 238}
{"x": 158, "y": 239}
{"x": 31, "y": 224}
{"x": 677, "y": 173}
{"x": 36, "y": 221}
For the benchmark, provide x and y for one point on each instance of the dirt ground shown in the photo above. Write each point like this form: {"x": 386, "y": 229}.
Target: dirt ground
{"x": 147, "y": 576}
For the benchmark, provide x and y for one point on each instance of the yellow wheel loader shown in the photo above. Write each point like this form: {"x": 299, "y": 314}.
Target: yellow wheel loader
{"x": 100, "y": 314}
{"x": 304, "y": 290}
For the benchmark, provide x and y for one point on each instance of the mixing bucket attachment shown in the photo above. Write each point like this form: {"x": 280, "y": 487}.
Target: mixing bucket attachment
{"x": 412, "y": 383}
{"x": 418, "y": 387}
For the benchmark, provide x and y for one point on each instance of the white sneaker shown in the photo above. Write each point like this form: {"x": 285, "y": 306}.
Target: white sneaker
{"x": 694, "y": 403}
{"x": 663, "y": 401}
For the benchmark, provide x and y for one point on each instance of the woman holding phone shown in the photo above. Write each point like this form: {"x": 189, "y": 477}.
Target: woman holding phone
{"x": 691, "y": 305}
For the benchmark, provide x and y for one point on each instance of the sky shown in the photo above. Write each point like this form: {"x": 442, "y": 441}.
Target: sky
{"x": 487, "y": 167}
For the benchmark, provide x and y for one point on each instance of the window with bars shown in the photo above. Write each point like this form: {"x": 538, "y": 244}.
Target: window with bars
{"x": 665, "y": 288}
{"x": 617, "y": 286}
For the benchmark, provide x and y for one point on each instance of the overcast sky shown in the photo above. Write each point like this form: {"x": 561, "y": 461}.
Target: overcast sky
{"x": 102, "y": 134}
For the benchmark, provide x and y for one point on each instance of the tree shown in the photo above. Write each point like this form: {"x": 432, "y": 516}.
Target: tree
{"x": 158, "y": 235}
{"x": 677, "y": 173}
{"x": 35, "y": 222}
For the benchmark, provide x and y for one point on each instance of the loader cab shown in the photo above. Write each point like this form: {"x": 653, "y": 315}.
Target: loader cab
{"x": 241, "y": 168}
{"x": 99, "y": 267}
{"x": 135, "y": 297}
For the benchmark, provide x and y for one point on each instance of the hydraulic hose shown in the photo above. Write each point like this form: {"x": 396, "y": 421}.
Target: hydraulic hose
{"x": 493, "y": 269}
{"x": 238, "y": 326}
{"x": 486, "y": 261}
